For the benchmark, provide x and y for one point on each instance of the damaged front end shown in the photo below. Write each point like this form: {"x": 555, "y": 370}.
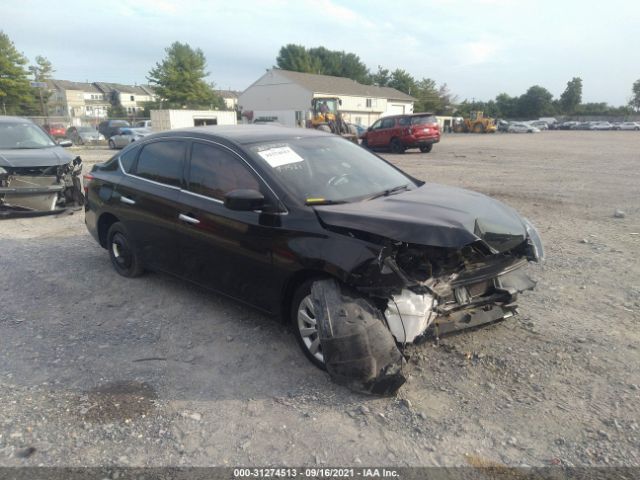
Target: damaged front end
{"x": 421, "y": 291}
{"x": 445, "y": 291}
{"x": 36, "y": 191}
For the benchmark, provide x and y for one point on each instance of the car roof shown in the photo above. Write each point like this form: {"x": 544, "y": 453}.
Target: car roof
{"x": 245, "y": 134}
{"x": 8, "y": 119}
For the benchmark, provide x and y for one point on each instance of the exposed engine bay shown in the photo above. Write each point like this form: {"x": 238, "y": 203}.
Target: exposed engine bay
{"x": 34, "y": 191}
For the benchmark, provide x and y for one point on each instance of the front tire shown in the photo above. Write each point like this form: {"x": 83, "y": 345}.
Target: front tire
{"x": 396, "y": 146}
{"x": 304, "y": 325}
{"x": 122, "y": 252}
{"x": 112, "y": 144}
{"x": 426, "y": 148}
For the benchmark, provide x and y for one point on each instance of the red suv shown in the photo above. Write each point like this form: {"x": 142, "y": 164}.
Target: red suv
{"x": 399, "y": 132}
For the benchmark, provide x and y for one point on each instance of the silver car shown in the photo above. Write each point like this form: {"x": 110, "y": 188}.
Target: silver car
{"x": 521, "y": 127}
{"x": 629, "y": 126}
{"x": 127, "y": 135}
{"x": 84, "y": 135}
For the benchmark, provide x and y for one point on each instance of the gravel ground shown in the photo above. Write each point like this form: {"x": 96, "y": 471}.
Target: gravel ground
{"x": 98, "y": 370}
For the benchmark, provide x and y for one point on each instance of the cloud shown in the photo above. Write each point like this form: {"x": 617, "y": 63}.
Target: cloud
{"x": 477, "y": 52}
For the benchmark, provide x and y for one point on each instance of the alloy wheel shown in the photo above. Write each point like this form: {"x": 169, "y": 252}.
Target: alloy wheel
{"x": 308, "y": 328}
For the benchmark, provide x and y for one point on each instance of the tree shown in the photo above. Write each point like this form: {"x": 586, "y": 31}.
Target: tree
{"x": 572, "y": 96}
{"x": 322, "y": 61}
{"x": 381, "y": 78}
{"x": 41, "y": 72}
{"x": 447, "y": 100}
{"x": 179, "y": 79}
{"x": 635, "y": 99}
{"x": 297, "y": 59}
{"x": 427, "y": 96}
{"x": 403, "y": 81}
{"x": 507, "y": 106}
{"x": 16, "y": 94}
{"x": 535, "y": 103}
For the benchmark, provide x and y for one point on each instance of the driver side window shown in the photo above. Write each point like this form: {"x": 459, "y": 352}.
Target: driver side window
{"x": 214, "y": 172}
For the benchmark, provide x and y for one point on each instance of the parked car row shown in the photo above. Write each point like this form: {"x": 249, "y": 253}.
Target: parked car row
{"x": 598, "y": 125}
{"x": 535, "y": 126}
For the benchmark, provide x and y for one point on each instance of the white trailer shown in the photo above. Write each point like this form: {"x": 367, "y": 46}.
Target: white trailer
{"x": 172, "y": 119}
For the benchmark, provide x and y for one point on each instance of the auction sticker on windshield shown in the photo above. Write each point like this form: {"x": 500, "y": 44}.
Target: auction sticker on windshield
{"x": 279, "y": 156}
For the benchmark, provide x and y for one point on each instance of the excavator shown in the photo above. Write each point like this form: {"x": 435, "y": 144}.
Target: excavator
{"x": 324, "y": 115}
{"x": 476, "y": 123}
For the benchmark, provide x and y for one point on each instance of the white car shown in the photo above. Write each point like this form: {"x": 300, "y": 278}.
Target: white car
{"x": 540, "y": 124}
{"x": 143, "y": 124}
{"x": 629, "y": 126}
{"x": 127, "y": 135}
{"x": 600, "y": 126}
{"x": 522, "y": 128}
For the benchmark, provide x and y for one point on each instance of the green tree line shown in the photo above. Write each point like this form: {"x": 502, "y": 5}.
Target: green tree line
{"x": 536, "y": 102}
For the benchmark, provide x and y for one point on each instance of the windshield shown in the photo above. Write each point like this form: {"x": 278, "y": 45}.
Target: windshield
{"x": 23, "y": 135}
{"x": 319, "y": 170}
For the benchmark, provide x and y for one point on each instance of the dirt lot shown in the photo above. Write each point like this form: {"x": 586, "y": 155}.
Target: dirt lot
{"x": 99, "y": 370}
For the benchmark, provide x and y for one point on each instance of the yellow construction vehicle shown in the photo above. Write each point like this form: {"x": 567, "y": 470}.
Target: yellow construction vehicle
{"x": 476, "y": 123}
{"x": 325, "y": 115}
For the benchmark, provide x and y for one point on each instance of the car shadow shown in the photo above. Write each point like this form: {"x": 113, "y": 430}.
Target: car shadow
{"x": 72, "y": 323}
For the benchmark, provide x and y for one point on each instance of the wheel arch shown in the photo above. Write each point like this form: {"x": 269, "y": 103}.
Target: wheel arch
{"x": 104, "y": 223}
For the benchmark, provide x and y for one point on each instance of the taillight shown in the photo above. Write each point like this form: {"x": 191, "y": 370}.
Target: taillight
{"x": 87, "y": 178}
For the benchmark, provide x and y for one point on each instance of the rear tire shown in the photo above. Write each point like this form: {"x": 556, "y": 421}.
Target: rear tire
{"x": 365, "y": 144}
{"x": 426, "y": 148}
{"x": 396, "y": 146}
{"x": 112, "y": 144}
{"x": 303, "y": 323}
{"x": 122, "y": 252}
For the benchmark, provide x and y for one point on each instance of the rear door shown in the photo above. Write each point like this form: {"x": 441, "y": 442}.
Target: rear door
{"x": 222, "y": 249}
{"x": 147, "y": 201}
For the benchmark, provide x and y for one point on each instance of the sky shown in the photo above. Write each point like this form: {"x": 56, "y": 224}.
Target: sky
{"x": 479, "y": 48}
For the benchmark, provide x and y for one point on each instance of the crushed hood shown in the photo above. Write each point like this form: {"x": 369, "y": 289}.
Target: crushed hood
{"x": 433, "y": 214}
{"x": 34, "y": 157}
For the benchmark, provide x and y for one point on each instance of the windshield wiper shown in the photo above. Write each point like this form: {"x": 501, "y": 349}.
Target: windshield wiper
{"x": 388, "y": 192}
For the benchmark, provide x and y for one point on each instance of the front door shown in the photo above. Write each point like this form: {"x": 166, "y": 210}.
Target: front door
{"x": 229, "y": 251}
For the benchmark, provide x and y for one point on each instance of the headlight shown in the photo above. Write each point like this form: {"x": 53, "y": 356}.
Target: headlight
{"x": 534, "y": 240}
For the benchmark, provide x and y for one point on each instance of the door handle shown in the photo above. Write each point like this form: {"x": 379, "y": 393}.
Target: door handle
{"x": 127, "y": 200}
{"x": 188, "y": 219}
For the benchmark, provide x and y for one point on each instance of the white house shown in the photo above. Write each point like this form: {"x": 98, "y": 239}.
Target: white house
{"x": 285, "y": 96}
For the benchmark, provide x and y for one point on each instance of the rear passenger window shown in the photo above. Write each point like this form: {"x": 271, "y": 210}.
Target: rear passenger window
{"x": 215, "y": 171}
{"x": 162, "y": 162}
{"x": 127, "y": 159}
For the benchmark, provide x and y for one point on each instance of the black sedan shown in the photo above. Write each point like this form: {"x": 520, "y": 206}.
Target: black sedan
{"x": 357, "y": 255}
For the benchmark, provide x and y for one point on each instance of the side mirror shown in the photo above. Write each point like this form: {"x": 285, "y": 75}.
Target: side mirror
{"x": 65, "y": 143}
{"x": 244, "y": 200}
{"x": 369, "y": 129}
